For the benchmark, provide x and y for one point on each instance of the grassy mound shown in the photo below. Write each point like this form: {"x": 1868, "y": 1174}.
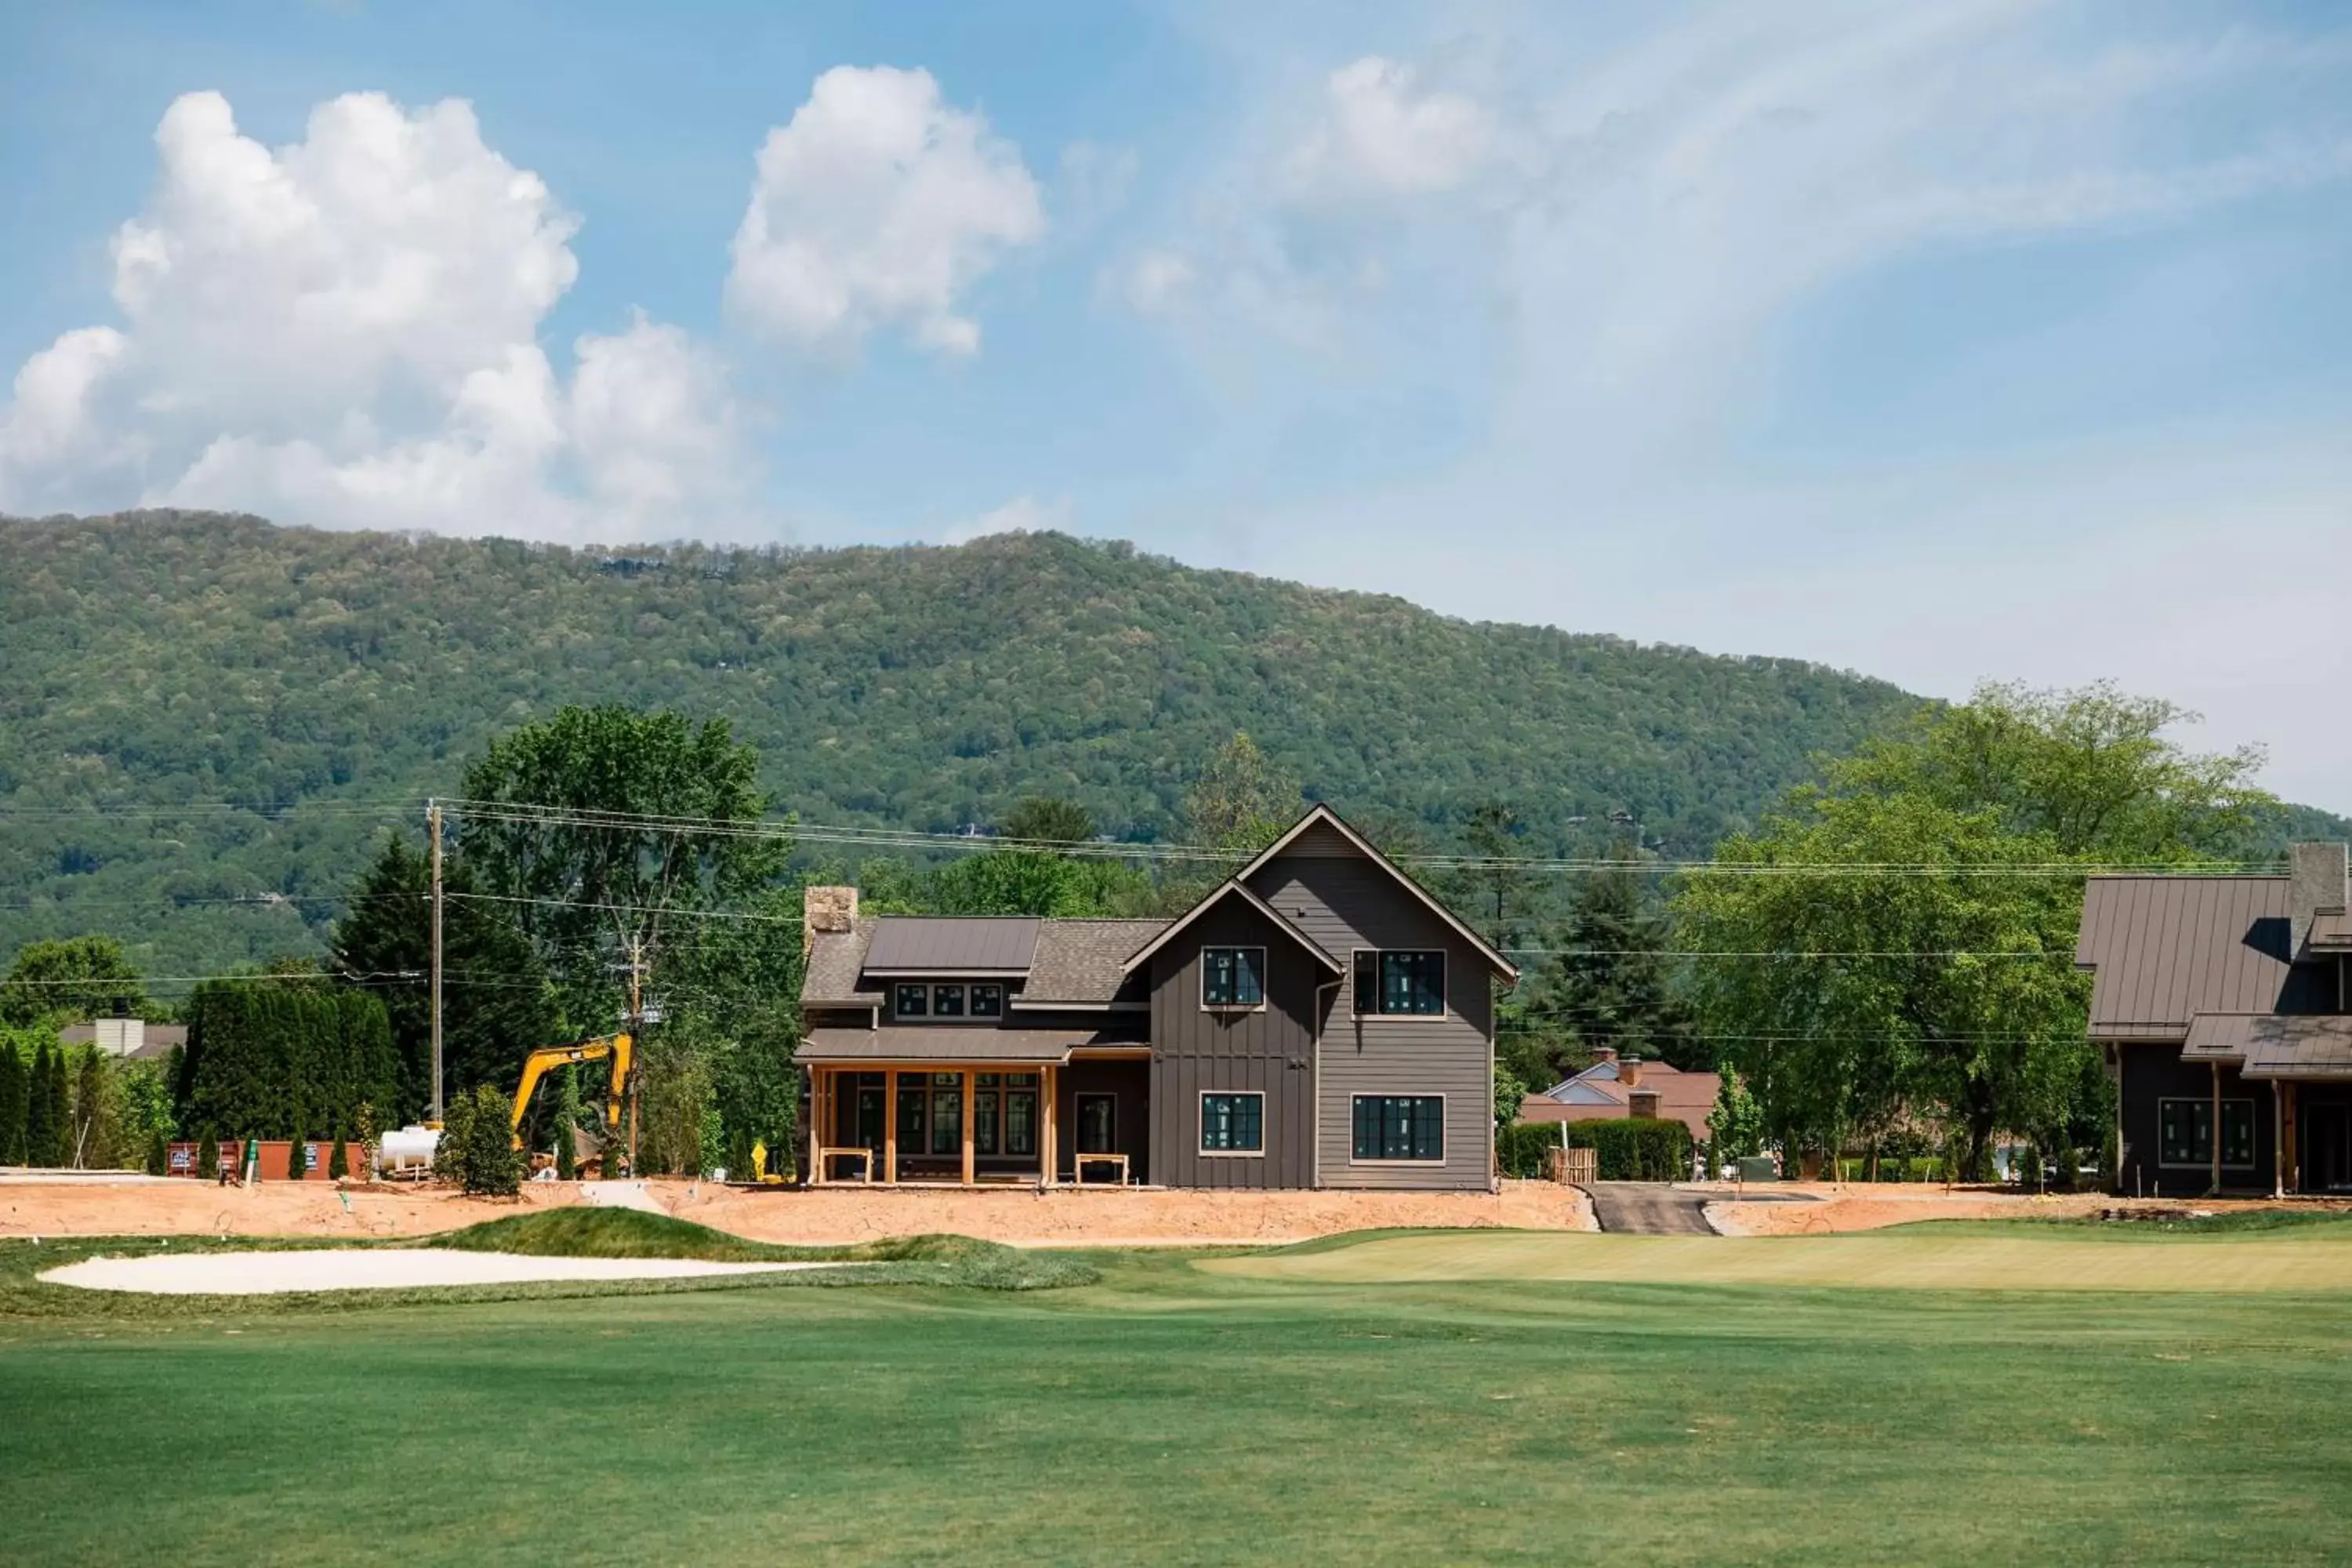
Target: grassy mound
{"x": 631, "y": 1233}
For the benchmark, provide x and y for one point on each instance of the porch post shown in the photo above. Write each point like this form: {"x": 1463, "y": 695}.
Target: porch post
{"x": 2278, "y": 1143}
{"x": 890, "y": 1128}
{"x": 2217, "y": 1127}
{"x": 968, "y": 1168}
{"x": 1047, "y": 1162}
{"x": 816, "y": 1126}
{"x": 2294, "y": 1139}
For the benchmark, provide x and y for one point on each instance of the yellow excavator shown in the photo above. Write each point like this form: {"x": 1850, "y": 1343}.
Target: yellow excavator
{"x": 619, "y": 1047}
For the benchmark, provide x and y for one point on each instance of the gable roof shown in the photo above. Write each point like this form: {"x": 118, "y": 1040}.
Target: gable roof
{"x": 1082, "y": 960}
{"x": 1322, "y": 814}
{"x": 1232, "y": 889}
{"x": 835, "y": 959}
{"x": 2164, "y": 948}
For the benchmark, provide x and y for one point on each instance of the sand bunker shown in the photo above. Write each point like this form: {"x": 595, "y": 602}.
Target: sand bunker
{"x": 269, "y": 1273}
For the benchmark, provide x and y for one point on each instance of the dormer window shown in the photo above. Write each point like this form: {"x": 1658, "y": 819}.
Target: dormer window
{"x": 946, "y": 1000}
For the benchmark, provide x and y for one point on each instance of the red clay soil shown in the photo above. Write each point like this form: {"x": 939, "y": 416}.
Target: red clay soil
{"x": 1852, "y": 1207}
{"x": 1064, "y": 1218}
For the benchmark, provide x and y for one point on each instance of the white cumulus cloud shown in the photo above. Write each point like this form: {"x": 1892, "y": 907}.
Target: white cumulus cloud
{"x": 878, "y": 206}
{"x": 343, "y": 332}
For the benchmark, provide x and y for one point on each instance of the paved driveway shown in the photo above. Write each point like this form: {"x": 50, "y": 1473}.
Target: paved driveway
{"x": 1651, "y": 1208}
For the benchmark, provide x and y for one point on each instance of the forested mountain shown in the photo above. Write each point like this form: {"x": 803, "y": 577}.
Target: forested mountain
{"x": 156, "y": 665}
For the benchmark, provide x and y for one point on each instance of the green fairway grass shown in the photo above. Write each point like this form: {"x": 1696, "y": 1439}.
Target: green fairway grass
{"x": 1178, "y": 1409}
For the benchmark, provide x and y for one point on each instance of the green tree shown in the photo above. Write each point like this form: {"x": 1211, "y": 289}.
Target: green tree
{"x": 477, "y": 1150}
{"x": 1878, "y": 997}
{"x": 43, "y": 1131}
{"x": 2091, "y": 771}
{"x": 1607, "y": 980}
{"x": 1009, "y": 882}
{"x": 496, "y": 1005}
{"x": 78, "y": 977}
{"x": 556, "y": 824}
{"x": 1509, "y": 1095}
{"x": 97, "y": 1118}
{"x": 1046, "y": 819}
{"x": 159, "y": 1158}
{"x": 1240, "y": 803}
{"x": 1498, "y": 893}
{"x": 339, "y": 1161}
{"x": 208, "y": 1157}
{"x": 1735, "y": 1125}
{"x": 16, "y": 1095}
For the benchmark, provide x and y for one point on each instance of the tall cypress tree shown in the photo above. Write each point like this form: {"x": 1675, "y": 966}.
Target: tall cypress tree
{"x": 60, "y": 1118}
{"x": 14, "y": 1091}
{"x": 36, "y": 1109}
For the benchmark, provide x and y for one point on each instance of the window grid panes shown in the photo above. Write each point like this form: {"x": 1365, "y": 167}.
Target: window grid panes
{"x": 1394, "y": 981}
{"x": 947, "y": 1001}
{"x": 1233, "y": 976}
{"x": 2185, "y": 1132}
{"x": 913, "y": 1001}
{"x": 1400, "y": 1127}
{"x": 1233, "y": 1123}
{"x": 988, "y": 1001}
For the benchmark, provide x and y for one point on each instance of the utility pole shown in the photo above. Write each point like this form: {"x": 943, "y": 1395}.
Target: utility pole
{"x": 636, "y": 1031}
{"x": 433, "y": 838}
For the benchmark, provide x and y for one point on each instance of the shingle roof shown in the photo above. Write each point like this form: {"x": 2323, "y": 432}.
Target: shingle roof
{"x": 2165, "y": 948}
{"x": 835, "y": 959}
{"x": 1082, "y": 961}
{"x": 949, "y": 945}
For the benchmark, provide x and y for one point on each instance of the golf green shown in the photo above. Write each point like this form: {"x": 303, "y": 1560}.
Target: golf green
{"x": 1175, "y": 1413}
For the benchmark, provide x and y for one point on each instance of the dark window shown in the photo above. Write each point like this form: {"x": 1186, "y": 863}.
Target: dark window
{"x": 947, "y": 1119}
{"x": 1400, "y": 1127}
{"x": 2184, "y": 1133}
{"x": 1233, "y": 1123}
{"x": 983, "y": 1122}
{"x": 914, "y": 1000}
{"x": 947, "y": 1001}
{"x": 911, "y": 1122}
{"x": 1021, "y": 1121}
{"x": 1400, "y": 981}
{"x": 988, "y": 1001}
{"x": 1233, "y": 976}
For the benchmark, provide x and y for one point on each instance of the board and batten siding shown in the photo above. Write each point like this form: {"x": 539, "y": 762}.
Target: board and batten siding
{"x": 1270, "y": 1051}
{"x": 1331, "y": 891}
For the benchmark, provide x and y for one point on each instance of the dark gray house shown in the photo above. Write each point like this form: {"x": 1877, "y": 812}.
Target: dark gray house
{"x": 2221, "y": 1004}
{"x": 1317, "y": 1020}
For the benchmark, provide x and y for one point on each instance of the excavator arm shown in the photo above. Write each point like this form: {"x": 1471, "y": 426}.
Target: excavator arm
{"x": 620, "y": 1048}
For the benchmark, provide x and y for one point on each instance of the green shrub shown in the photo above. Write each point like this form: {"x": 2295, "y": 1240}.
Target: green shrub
{"x": 159, "y": 1158}
{"x": 476, "y": 1149}
{"x": 208, "y": 1158}
{"x": 339, "y": 1161}
{"x": 1630, "y": 1148}
{"x": 1520, "y": 1147}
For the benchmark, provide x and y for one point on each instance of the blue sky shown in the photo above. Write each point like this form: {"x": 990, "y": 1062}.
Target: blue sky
{"x": 1985, "y": 340}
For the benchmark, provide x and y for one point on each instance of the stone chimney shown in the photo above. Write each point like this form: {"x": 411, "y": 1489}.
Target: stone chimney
{"x": 1629, "y": 1073}
{"x": 1603, "y": 1054}
{"x": 2316, "y": 882}
{"x": 826, "y": 910}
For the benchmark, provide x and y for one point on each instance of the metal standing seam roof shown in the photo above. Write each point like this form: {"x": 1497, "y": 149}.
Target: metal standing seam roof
{"x": 2167, "y": 948}
{"x": 2302, "y": 1046}
{"x": 948, "y": 945}
{"x": 2219, "y": 1037}
{"x": 2331, "y": 932}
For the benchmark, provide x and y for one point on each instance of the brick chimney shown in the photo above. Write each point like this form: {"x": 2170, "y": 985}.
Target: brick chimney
{"x": 1643, "y": 1103}
{"x": 826, "y": 910}
{"x": 2317, "y": 878}
{"x": 1603, "y": 1054}
{"x": 1629, "y": 1073}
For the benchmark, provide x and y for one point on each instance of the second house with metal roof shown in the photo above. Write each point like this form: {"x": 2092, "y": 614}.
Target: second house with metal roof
{"x": 1316, "y": 1020}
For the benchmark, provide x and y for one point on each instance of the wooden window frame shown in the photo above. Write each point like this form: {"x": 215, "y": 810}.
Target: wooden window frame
{"x": 1445, "y": 982}
{"x": 1443, "y": 1112}
{"x": 1202, "y": 1127}
{"x": 1209, "y": 1006}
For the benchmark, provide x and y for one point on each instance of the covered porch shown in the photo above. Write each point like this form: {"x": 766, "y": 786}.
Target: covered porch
{"x": 981, "y": 1108}
{"x": 2306, "y": 1062}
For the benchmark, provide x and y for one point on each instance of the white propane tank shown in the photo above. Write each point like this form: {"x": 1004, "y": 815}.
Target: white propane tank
{"x": 410, "y": 1148}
